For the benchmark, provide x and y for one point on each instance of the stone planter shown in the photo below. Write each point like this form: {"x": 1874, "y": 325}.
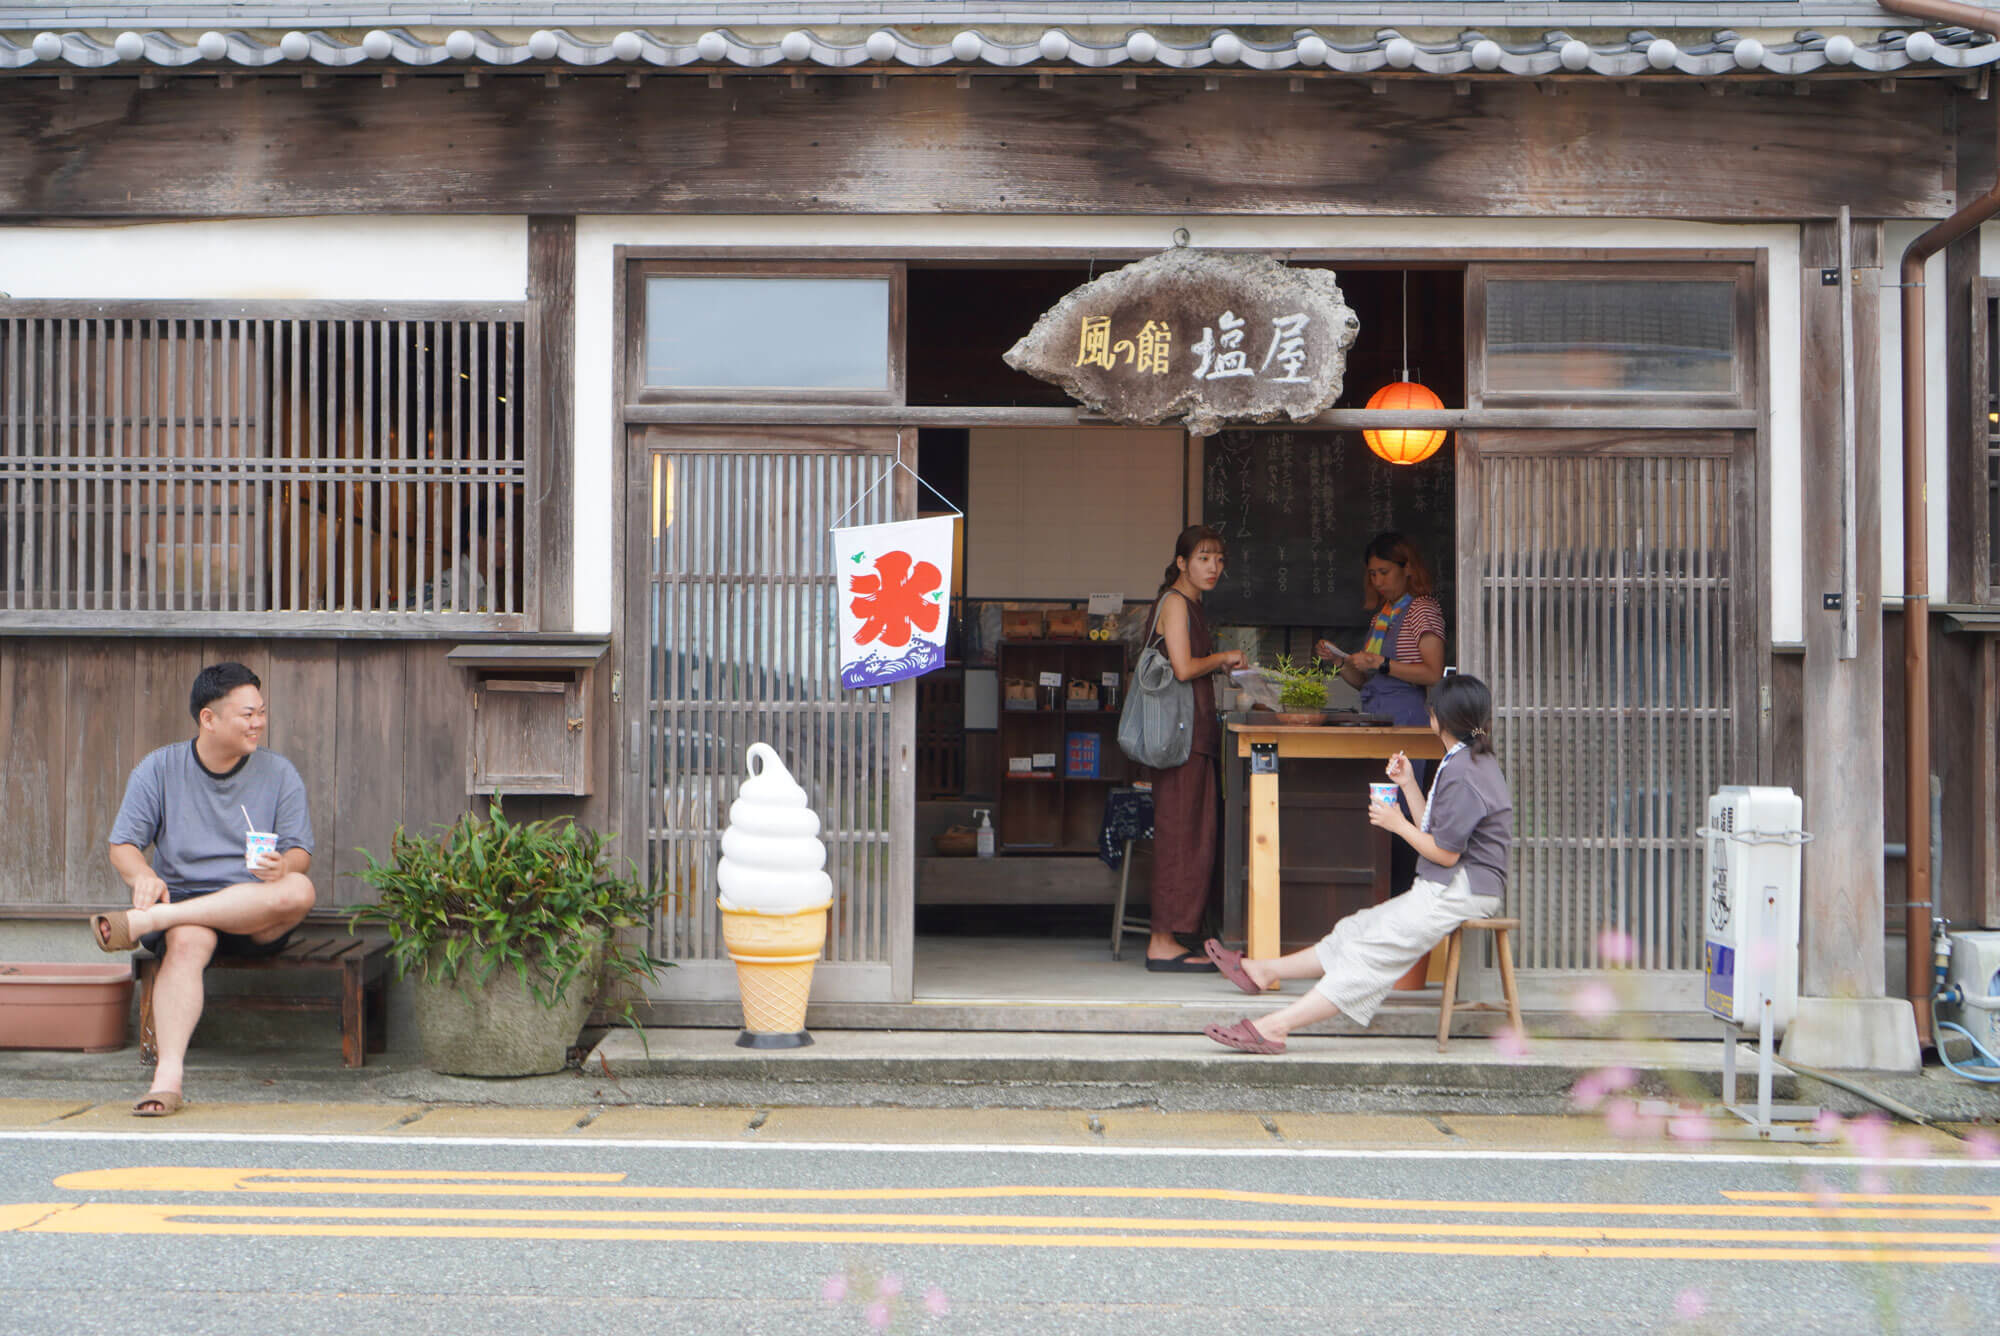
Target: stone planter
{"x": 64, "y": 1006}
{"x": 498, "y": 1028}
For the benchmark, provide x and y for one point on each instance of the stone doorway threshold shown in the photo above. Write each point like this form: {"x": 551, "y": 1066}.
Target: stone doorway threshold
{"x": 1066, "y": 984}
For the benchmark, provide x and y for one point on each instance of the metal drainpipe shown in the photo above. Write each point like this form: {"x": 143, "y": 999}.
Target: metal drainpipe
{"x": 1916, "y": 542}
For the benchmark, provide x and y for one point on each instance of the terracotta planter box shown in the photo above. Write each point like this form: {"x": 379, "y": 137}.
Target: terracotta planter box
{"x": 64, "y": 1006}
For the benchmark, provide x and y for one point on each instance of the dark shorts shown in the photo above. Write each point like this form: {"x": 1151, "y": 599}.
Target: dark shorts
{"x": 226, "y": 943}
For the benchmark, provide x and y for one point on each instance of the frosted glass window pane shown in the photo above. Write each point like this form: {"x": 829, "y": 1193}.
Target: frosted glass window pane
{"x": 1615, "y": 336}
{"x": 790, "y": 333}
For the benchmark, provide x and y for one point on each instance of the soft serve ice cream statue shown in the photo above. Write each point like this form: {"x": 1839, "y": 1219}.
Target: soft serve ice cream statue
{"x": 772, "y": 858}
{"x": 774, "y": 898}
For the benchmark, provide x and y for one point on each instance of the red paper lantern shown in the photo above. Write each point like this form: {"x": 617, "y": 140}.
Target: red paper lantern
{"x": 1404, "y": 445}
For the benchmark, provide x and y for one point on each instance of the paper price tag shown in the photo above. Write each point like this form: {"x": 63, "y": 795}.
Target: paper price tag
{"x": 1045, "y": 760}
{"x": 1103, "y": 605}
{"x": 1109, "y": 679}
{"x": 1051, "y": 679}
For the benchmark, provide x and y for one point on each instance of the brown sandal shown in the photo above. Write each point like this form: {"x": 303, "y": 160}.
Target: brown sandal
{"x": 170, "y": 1103}
{"x": 116, "y": 934}
{"x": 1243, "y": 1037}
{"x": 1230, "y": 964}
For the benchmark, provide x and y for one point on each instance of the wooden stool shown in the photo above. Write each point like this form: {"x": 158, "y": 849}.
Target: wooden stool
{"x": 361, "y": 964}
{"x": 1121, "y": 922}
{"x": 1499, "y": 927}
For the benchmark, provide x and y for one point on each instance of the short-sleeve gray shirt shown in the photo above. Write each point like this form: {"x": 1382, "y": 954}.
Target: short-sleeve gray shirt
{"x": 193, "y": 817}
{"x": 1472, "y": 813}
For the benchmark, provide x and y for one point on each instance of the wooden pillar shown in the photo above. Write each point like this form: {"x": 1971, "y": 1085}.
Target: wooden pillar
{"x": 552, "y": 403}
{"x": 1841, "y": 918}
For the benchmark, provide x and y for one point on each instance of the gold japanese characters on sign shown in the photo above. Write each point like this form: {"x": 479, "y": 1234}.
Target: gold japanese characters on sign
{"x": 1264, "y": 340}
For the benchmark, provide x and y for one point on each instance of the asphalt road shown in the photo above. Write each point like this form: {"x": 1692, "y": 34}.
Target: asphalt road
{"x": 228, "y": 1233}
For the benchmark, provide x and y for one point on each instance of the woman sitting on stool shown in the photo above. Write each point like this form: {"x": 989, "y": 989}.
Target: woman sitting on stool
{"x": 1462, "y": 834}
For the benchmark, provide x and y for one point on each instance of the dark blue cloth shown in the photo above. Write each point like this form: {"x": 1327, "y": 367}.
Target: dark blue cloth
{"x": 1128, "y": 815}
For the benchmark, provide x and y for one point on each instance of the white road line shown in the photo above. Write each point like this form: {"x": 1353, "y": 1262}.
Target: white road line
{"x": 1001, "y": 1148}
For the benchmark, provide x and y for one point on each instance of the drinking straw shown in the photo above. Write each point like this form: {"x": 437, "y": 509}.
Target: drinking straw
{"x": 249, "y": 826}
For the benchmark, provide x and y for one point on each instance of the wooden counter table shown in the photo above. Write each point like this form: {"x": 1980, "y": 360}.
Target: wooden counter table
{"x": 1260, "y": 907}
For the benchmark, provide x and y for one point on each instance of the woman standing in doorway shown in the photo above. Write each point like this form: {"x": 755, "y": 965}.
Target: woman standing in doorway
{"x": 1403, "y": 655}
{"x": 1185, "y": 798}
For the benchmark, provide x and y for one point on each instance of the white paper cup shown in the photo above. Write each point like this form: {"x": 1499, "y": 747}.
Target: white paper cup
{"x": 256, "y": 844}
{"x": 1384, "y": 793}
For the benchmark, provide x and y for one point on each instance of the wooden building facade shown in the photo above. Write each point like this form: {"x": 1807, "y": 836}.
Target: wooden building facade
{"x": 326, "y": 350}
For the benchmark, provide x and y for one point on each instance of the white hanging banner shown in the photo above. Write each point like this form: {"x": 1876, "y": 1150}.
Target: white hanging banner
{"x": 895, "y": 595}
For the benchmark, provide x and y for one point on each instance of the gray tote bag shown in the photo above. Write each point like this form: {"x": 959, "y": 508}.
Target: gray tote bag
{"x": 1156, "y": 727}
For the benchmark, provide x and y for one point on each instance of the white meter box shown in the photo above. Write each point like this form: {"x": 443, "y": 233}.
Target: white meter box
{"x": 1750, "y": 903}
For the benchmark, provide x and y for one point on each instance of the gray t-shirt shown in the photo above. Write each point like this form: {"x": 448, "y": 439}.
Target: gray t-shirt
{"x": 193, "y": 817}
{"x": 1472, "y": 813}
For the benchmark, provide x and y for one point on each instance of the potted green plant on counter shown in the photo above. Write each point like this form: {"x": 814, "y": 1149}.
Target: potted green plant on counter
{"x": 1301, "y": 692}
{"x": 510, "y": 931}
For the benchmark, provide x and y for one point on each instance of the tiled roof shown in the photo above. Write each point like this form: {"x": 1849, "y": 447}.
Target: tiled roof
{"x": 1650, "y": 38}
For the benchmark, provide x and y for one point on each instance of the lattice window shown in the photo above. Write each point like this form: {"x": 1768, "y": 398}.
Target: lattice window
{"x": 1989, "y": 561}
{"x": 164, "y": 465}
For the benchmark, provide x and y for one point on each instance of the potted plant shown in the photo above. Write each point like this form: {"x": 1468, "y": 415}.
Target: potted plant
{"x": 1301, "y": 692}
{"x": 510, "y": 930}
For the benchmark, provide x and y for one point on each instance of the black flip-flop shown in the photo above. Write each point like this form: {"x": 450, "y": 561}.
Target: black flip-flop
{"x": 1187, "y": 962}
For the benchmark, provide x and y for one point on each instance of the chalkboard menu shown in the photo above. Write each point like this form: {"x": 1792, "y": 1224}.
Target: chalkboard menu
{"x": 1298, "y": 507}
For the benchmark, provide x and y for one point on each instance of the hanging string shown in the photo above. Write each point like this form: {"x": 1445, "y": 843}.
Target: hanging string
{"x": 1406, "y": 324}
{"x": 887, "y": 474}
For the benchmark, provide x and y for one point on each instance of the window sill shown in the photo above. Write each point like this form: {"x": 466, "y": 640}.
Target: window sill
{"x": 265, "y": 626}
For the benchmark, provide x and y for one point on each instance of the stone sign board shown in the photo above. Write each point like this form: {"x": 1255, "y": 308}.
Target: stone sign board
{"x": 1204, "y": 336}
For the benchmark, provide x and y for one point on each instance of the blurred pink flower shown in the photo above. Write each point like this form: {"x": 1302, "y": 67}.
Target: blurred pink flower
{"x": 1624, "y": 1119}
{"x": 1824, "y": 1196}
{"x": 1690, "y": 1304}
{"x": 1618, "y": 1078}
{"x": 835, "y": 1288}
{"x": 1594, "y": 999}
{"x": 1982, "y": 1145}
{"x": 1873, "y": 1183}
{"x": 1828, "y": 1123}
{"x": 890, "y": 1285}
{"x": 1616, "y": 946}
{"x": 1588, "y": 1092}
{"x": 877, "y": 1315}
{"x": 1869, "y": 1135}
{"x": 1509, "y": 1042}
{"x": 935, "y": 1303}
{"x": 1907, "y": 1146}
{"x": 1763, "y": 954}
{"x": 1689, "y": 1125}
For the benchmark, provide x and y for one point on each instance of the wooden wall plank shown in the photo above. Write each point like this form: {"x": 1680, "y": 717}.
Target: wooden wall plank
{"x": 97, "y": 740}
{"x": 109, "y": 148}
{"x": 371, "y": 697}
{"x": 34, "y": 713}
{"x": 301, "y": 684}
{"x": 551, "y": 430}
{"x": 436, "y": 736}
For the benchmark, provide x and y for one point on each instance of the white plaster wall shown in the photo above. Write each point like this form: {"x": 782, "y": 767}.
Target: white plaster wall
{"x": 300, "y": 259}
{"x": 596, "y": 424}
{"x": 1896, "y": 238}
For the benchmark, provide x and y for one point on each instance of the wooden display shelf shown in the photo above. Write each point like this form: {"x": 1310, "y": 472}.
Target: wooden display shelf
{"x": 1055, "y": 813}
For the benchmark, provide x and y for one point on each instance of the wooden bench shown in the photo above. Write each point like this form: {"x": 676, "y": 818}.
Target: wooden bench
{"x": 363, "y": 965}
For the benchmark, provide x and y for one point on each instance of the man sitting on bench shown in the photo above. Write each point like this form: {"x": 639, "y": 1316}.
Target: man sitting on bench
{"x": 196, "y": 804}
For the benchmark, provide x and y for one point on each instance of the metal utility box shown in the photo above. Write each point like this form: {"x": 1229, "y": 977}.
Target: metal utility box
{"x": 1975, "y": 968}
{"x": 1750, "y": 902}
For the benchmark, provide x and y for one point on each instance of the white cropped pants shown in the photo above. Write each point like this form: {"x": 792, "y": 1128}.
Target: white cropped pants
{"x": 1369, "y": 950}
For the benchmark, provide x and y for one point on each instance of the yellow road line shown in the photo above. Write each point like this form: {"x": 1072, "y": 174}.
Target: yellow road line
{"x": 138, "y": 1219}
{"x": 1946, "y": 1209}
{"x": 1162, "y": 1224}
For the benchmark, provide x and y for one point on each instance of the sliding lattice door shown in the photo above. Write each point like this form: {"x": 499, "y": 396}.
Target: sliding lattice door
{"x": 733, "y": 640}
{"x": 1607, "y": 596}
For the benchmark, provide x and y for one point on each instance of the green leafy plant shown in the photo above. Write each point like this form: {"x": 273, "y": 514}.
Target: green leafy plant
{"x": 539, "y": 897}
{"x": 1300, "y": 687}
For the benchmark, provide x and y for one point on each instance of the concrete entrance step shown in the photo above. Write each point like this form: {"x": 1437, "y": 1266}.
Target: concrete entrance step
{"x": 1549, "y": 1068}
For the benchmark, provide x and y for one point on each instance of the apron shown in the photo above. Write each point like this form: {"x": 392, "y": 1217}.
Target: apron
{"x": 1404, "y": 702}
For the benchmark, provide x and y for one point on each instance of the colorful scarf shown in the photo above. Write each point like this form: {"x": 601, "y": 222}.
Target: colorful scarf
{"x": 1378, "y": 630}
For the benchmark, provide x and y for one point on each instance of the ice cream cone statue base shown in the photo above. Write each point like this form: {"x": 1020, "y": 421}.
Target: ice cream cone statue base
{"x": 774, "y": 955}
{"x": 774, "y": 901}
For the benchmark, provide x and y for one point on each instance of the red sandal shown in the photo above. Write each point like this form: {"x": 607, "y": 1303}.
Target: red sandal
{"x": 1243, "y": 1037}
{"x": 1230, "y": 963}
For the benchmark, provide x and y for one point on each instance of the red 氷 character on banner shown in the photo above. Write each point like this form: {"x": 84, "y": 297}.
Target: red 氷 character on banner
{"x": 899, "y": 598}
